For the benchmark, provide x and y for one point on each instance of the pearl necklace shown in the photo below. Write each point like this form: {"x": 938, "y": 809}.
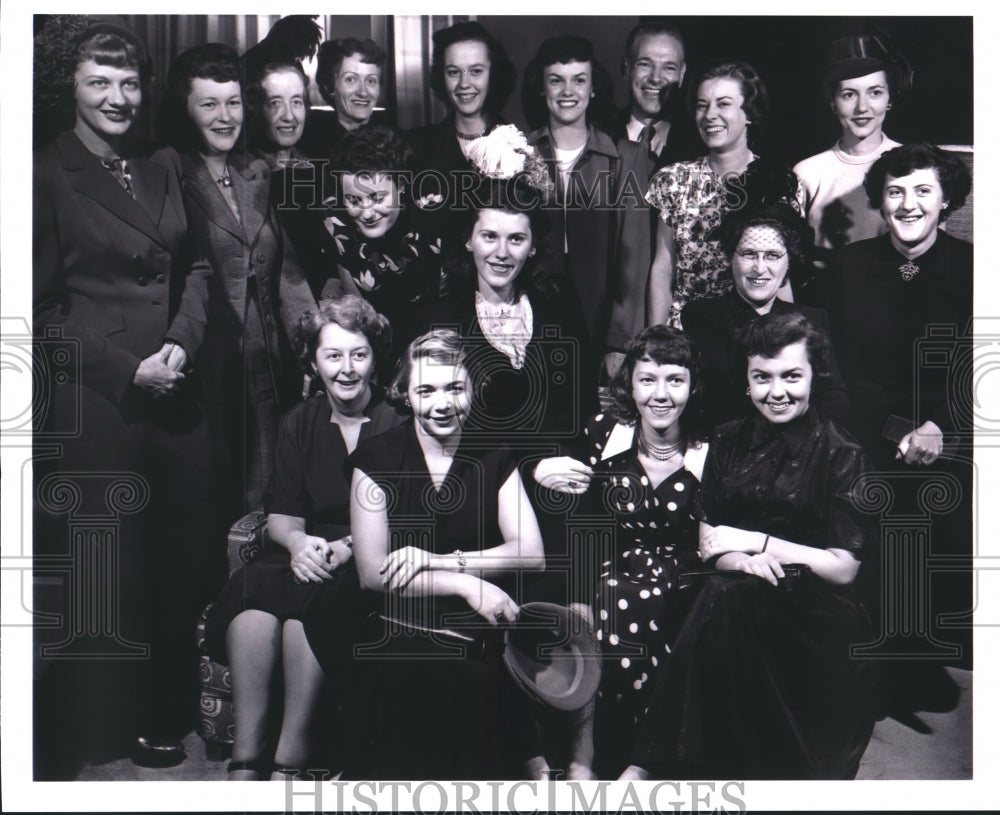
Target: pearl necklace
{"x": 664, "y": 453}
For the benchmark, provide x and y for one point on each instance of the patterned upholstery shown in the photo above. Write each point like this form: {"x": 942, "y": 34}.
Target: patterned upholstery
{"x": 216, "y": 726}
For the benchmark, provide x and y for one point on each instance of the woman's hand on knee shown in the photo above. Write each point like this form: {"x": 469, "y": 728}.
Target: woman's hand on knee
{"x": 310, "y": 556}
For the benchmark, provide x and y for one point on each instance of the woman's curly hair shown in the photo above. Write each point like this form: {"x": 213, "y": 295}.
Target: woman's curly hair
{"x": 559, "y": 51}
{"x": 770, "y": 334}
{"x": 752, "y": 88}
{"x": 953, "y": 175}
{"x": 506, "y": 195}
{"x": 210, "y": 60}
{"x": 352, "y": 313}
{"x": 663, "y": 345}
{"x": 503, "y": 76}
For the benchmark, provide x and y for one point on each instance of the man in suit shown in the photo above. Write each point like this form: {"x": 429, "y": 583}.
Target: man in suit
{"x": 654, "y": 66}
{"x": 647, "y": 139}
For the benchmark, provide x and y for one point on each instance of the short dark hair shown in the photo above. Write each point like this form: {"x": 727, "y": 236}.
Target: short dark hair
{"x": 663, "y": 345}
{"x": 559, "y": 51}
{"x": 769, "y": 334}
{"x": 350, "y": 312}
{"x": 953, "y": 175}
{"x": 255, "y": 100}
{"x": 651, "y": 28}
{"x": 332, "y": 54}
{"x": 211, "y": 60}
{"x": 443, "y": 345}
{"x": 794, "y": 230}
{"x": 503, "y": 76}
{"x": 373, "y": 148}
{"x": 755, "y": 102}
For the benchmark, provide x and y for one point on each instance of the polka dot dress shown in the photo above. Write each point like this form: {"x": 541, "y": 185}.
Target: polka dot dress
{"x": 638, "y": 604}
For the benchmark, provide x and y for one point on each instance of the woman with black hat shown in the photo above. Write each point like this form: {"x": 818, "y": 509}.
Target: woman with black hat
{"x": 865, "y": 76}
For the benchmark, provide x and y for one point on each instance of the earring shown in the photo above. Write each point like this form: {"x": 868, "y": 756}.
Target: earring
{"x": 748, "y": 391}
{"x": 468, "y": 247}
{"x": 531, "y": 252}
{"x": 889, "y": 106}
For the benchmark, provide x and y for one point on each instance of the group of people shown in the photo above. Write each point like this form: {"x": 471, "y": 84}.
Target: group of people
{"x": 433, "y": 388}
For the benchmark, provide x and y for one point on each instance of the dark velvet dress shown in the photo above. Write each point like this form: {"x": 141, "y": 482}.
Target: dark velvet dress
{"x": 309, "y": 483}
{"x": 905, "y": 349}
{"x": 639, "y": 604}
{"x": 434, "y": 709}
{"x": 760, "y": 683}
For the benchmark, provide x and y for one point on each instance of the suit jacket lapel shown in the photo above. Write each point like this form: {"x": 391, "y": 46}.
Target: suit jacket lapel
{"x": 252, "y": 186}
{"x": 205, "y": 193}
{"x": 89, "y": 178}
{"x": 150, "y": 184}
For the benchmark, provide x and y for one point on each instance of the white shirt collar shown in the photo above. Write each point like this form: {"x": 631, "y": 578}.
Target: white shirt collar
{"x": 661, "y": 128}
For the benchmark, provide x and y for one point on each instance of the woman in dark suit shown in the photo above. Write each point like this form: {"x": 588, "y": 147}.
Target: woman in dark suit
{"x": 116, "y": 276}
{"x": 257, "y": 288}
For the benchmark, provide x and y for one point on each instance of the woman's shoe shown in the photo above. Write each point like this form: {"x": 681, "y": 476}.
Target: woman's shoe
{"x": 301, "y": 773}
{"x": 256, "y": 765}
{"x": 151, "y": 752}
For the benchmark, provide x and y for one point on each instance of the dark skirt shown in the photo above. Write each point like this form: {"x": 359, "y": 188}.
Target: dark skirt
{"x": 432, "y": 708}
{"x": 267, "y": 584}
{"x": 760, "y": 684}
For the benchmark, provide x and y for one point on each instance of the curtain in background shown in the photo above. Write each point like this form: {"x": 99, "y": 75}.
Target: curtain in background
{"x": 415, "y": 103}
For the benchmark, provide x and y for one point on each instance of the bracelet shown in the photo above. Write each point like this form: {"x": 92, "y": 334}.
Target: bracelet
{"x": 461, "y": 559}
{"x": 767, "y": 539}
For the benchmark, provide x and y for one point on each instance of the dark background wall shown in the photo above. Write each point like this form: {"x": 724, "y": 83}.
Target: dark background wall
{"x": 790, "y": 54}
{"x": 788, "y": 51}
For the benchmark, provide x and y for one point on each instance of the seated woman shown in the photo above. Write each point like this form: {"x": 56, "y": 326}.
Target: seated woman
{"x": 766, "y": 247}
{"x": 647, "y": 459}
{"x": 887, "y": 295}
{"x": 730, "y": 104}
{"x": 886, "y": 291}
{"x": 760, "y": 683}
{"x": 256, "y": 625}
{"x": 441, "y": 531}
{"x": 379, "y": 254}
